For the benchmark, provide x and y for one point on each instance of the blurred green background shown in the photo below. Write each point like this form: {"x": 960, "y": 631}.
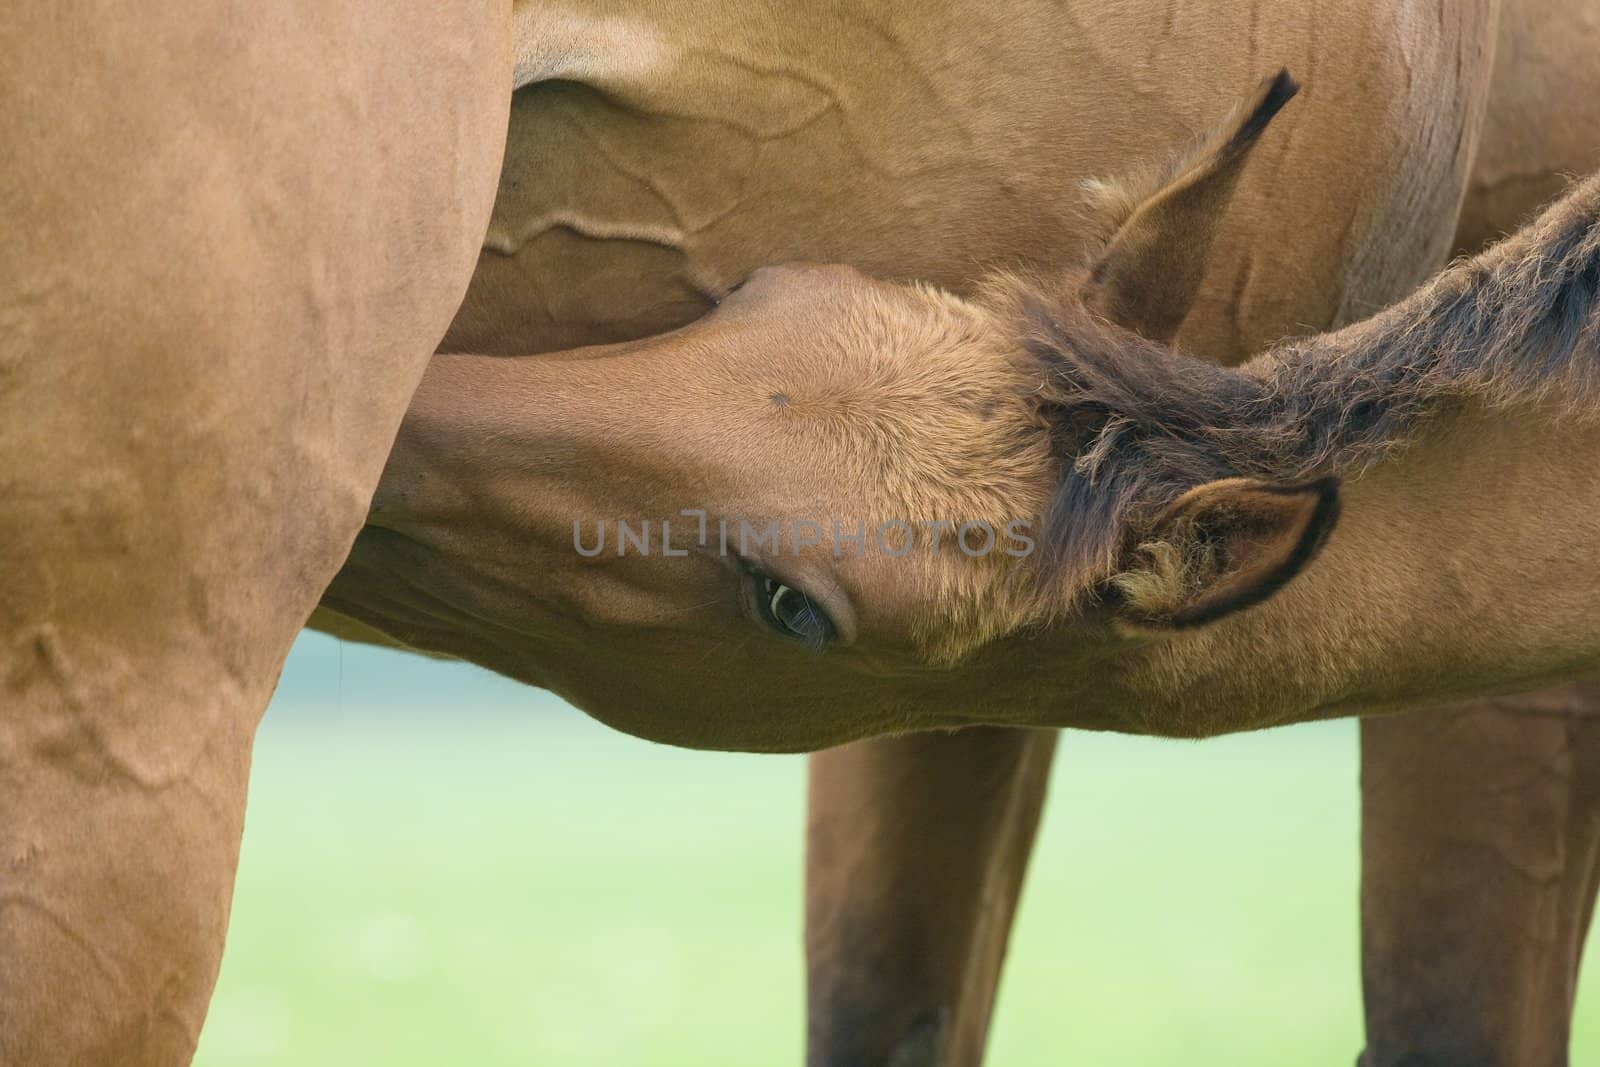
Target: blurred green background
{"x": 441, "y": 867}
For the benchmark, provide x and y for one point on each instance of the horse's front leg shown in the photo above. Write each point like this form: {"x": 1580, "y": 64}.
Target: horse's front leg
{"x": 1480, "y": 845}
{"x": 916, "y": 849}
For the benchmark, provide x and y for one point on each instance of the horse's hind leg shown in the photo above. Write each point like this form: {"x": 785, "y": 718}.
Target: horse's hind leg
{"x": 234, "y": 233}
{"x": 116, "y": 864}
{"x": 915, "y": 853}
{"x": 1480, "y": 855}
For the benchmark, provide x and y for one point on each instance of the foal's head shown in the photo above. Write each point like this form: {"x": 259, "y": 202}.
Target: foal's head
{"x": 835, "y": 506}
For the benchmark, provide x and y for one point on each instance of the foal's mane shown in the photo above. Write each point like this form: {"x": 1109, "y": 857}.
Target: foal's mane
{"x": 1137, "y": 424}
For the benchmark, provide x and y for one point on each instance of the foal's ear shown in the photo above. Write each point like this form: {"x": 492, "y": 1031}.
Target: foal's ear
{"x": 1149, "y": 273}
{"x": 1224, "y": 546}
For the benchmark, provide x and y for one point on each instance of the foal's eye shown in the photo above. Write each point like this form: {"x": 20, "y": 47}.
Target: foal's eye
{"x": 792, "y": 613}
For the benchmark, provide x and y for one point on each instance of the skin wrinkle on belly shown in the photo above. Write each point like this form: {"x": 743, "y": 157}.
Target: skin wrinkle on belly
{"x": 755, "y": 91}
{"x": 610, "y": 110}
{"x": 507, "y": 240}
{"x": 909, "y": 61}
{"x": 589, "y": 228}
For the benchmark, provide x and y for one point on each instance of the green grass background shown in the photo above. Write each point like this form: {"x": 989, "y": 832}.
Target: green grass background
{"x": 440, "y": 867}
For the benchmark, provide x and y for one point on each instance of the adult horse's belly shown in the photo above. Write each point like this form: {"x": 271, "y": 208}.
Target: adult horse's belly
{"x": 669, "y": 148}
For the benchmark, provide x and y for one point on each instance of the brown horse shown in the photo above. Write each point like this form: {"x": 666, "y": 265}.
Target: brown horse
{"x": 1130, "y": 584}
{"x": 851, "y": 1008}
{"x": 238, "y": 232}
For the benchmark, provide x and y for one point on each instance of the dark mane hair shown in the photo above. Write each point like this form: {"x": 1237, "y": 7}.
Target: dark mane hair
{"x": 1137, "y": 424}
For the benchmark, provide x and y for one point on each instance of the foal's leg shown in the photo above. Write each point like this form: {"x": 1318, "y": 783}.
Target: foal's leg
{"x": 915, "y": 853}
{"x": 1480, "y": 844}
{"x": 234, "y": 232}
